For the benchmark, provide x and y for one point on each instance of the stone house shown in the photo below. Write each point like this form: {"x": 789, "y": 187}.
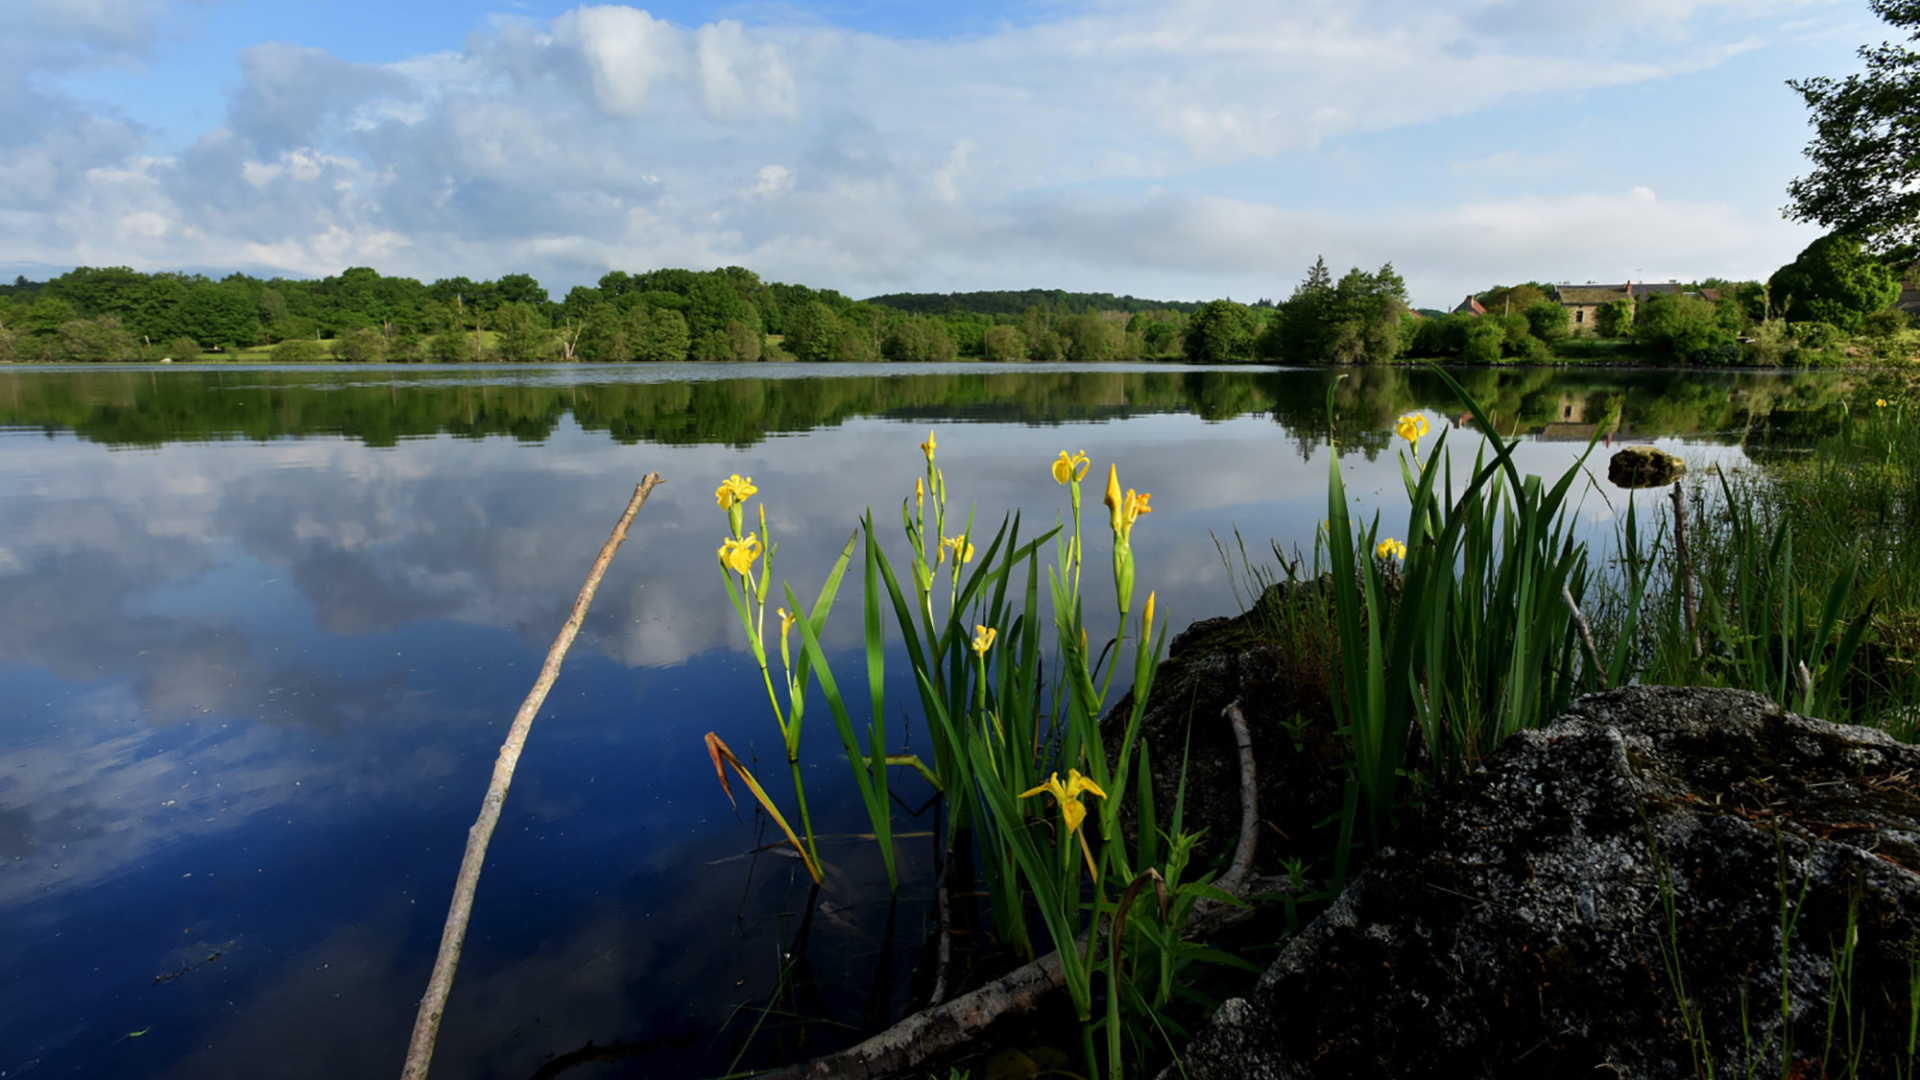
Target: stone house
{"x": 1469, "y": 306}
{"x": 1583, "y": 301}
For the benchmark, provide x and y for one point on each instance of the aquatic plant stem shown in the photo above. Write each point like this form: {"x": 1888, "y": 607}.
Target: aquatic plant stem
{"x": 426, "y": 1026}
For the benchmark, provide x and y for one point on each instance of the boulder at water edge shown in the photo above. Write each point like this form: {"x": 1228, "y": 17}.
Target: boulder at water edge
{"x": 1523, "y": 924}
{"x": 1644, "y": 467}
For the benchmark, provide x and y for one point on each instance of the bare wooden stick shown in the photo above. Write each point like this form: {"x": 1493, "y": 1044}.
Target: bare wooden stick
{"x": 943, "y": 948}
{"x": 1586, "y": 635}
{"x": 1689, "y": 587}
{"x": 426, "y": 1026}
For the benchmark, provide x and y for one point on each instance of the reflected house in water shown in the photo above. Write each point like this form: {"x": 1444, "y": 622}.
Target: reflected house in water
{"x": 1577, "y": 418}
{"x": 1583, "y": 301}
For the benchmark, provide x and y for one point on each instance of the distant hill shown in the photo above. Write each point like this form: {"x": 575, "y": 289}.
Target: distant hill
{"x": 1004, "y": 302}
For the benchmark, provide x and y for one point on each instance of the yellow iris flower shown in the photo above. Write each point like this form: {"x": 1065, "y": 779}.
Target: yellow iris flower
{"x": 734, "y": 490}
{"x": 1879, "y": 403}
{"x": 738, "y": 555}
{"x": 1390, "y": 548}
{"x": 955, "y": 545}
{"x": 1123, "y": 511}
{"x": 983, "y": 639}
{"x": 927, "y": 447}
{"x": 1070, "y": 467}
{"x": 1068, "y": 796}
{"x": 1412, "y": 427}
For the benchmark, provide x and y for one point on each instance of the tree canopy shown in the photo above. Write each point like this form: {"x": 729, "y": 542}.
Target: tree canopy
{"x": 1833, "y": 281}
{"x": 1866, "y": 145}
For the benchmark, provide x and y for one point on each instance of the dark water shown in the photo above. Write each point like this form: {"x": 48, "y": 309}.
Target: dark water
{"x": 261, "y": 633}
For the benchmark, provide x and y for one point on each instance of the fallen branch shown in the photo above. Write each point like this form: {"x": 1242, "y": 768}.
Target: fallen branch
{"x": 426, "y": 1026}
{"x": 936, "y": 1031}
{"x": 1586, "y": 635}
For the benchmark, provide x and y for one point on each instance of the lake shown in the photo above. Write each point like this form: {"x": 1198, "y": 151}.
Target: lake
{"x": 262, "y": 632}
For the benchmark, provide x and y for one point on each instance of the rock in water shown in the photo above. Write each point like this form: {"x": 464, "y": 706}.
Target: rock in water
{"x": 1644, "y": 467}
{"x": 1519, "y": 927}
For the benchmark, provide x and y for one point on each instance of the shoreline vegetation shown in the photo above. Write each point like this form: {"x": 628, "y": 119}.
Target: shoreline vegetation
{"x": 1834, "y": 306}
{"x": 1414, "y": 646}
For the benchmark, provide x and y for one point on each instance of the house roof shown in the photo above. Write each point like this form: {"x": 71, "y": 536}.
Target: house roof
{"x": 1589, "y": 294}
{"x": 1469, "y": 306}
{"x": 1601, "y": 294}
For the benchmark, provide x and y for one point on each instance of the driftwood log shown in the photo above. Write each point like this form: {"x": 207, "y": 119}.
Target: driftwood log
{"x": 426, "y": 1026}
{"x": 943, "y": 1029}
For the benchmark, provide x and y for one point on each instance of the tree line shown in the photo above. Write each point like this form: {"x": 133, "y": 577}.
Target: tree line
{"x": 1835, "y": 290}
{"x": 115, "y": 313}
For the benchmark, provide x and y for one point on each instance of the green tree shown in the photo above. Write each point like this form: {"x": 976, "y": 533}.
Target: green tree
{"x": 1866, "y": 146}
{"x": 520, "y": 336}
{"x": 1005, "y": 343}
{"x": 1222, "y": 332}
{"x": 361, "y": 345}
{"x": 810, "y": 331}
{"x": 663, "y": 337}
{"x": 1833, "y": 281}
{"x": 47, "y": 315}
{"x": 93, "y": 341}
{"x": 1093, "y": 338}
{"x": 1481, "y": 339}
{"x": 1685, "y": 328}
{"x": 1615, "y": 318}
{"x": 219, "y": 314}
{"x": 605, "y": 337}
{"x": 919, "y": 338}
{"x": 1547, "y": 321}
{"x": 298, "y": 350}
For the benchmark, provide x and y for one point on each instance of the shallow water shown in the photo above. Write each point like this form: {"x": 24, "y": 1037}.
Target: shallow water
{"x": 262, "y": 630}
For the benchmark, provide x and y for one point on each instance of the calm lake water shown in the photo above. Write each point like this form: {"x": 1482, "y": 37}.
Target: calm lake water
{"x": 262, "y": 631}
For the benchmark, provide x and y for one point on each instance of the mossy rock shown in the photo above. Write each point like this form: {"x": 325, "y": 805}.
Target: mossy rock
{"x": 1644, "y": 467}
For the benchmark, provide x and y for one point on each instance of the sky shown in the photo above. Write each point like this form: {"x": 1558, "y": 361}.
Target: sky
{"x": 1172, "y": 149}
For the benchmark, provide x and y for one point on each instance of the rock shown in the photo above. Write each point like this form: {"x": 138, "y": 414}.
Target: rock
{"x": 1644, "y": 467}
{"x": 1299, "y": 761}
{"x": 1518, "y": 927}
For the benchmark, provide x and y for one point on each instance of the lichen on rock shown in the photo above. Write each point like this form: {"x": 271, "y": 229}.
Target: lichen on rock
{"x": 1517, "y": 925}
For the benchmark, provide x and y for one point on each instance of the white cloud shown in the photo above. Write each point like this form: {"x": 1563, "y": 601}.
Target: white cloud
{"x": 626, "y": 51}
{"x": 1080, "y": 147}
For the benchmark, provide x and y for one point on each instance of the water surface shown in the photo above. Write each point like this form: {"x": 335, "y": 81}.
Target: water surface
{"x": 262, "y": 630}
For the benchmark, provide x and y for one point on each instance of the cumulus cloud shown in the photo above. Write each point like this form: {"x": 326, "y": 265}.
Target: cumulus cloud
{"x": 611, "y": 137}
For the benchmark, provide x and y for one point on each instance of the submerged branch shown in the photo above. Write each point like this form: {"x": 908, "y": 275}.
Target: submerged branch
{"x": 426, "y": 1026}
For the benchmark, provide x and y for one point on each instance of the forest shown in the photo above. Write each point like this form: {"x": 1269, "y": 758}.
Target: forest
{"x": 1834, "y": 304}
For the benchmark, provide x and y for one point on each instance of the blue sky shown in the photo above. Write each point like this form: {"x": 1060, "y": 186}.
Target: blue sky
{"x": 1177, "y": 148}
